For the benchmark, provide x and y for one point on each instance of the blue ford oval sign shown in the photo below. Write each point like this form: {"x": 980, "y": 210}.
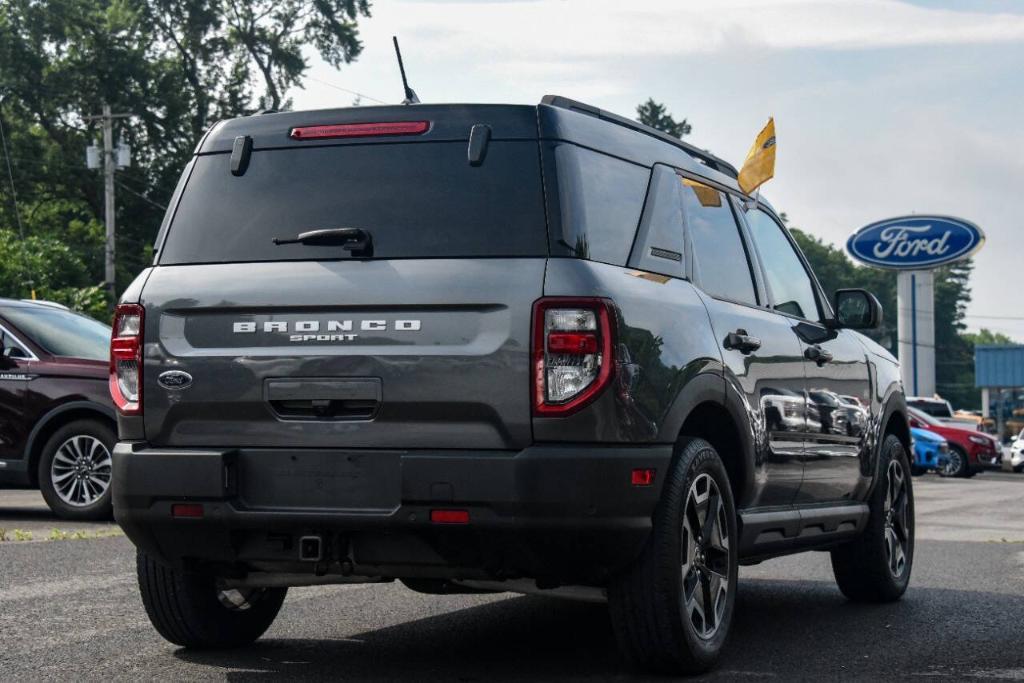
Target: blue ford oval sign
{"x": 913, "y": 242}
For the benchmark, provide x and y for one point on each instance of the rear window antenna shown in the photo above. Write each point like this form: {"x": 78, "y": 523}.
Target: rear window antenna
{"x": 410, "y": 94}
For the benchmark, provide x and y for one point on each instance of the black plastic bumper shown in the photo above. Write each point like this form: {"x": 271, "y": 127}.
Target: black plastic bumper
{"x": 568, "y": 513}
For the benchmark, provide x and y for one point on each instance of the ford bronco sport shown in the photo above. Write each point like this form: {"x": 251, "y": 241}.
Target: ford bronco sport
{"x": 493, "y": 347}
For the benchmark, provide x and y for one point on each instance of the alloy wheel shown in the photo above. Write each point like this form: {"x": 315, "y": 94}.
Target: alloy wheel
{"x": 705, "y": 557}
{"x": 80, "y": 471}
{"x": 953, "y": 463}
{"x": 895, "y": 508}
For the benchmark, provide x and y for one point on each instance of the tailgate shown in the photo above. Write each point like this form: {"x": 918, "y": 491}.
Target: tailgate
{"x": 405, "y": 353}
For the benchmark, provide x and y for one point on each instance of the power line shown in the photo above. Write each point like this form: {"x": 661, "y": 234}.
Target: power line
{"x": 350, "y": 92}
{"x": 140, "y": 196}
{"x": 10, "y": 176}
{"x": 996, "y": 317}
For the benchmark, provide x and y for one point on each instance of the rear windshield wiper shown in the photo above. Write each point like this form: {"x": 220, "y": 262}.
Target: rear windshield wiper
{"x": 356, "y": 240}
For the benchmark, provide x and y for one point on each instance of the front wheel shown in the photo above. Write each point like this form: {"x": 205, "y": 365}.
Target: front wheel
{"x": 956, "y": 463}
{"x": 671, "y": 611}
{"x": 876, "y": 567}
{"x": 194, "y": 611}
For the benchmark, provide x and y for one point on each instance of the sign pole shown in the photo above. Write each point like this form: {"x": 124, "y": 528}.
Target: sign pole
{"x": 915, "y": 330}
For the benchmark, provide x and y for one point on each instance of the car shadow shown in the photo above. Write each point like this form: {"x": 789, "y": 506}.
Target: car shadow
{"x": 796, "y": 629}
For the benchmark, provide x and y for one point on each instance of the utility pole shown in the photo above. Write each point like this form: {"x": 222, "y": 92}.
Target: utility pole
{"x": 110, "y": 163}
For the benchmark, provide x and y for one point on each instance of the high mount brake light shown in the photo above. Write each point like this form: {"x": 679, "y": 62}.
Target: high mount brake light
{"x": 126, "y": 359}
{"x": 573, "y": 353}
{"x": 359, "y": 130}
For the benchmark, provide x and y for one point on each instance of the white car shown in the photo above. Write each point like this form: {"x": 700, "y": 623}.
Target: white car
{"x": 1017, "y": 452}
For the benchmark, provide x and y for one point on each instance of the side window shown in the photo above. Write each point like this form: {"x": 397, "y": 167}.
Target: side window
{"x": 659, "y": 240}
{"x": 720, "y": 260}
{"x": 600, "y": 198}
{"x": 791, "y": 288}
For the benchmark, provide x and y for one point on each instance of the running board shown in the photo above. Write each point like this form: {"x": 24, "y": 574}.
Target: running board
{"x": 777, "y": 532}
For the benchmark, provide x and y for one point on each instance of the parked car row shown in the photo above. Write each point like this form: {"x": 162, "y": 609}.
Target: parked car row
{"x": 970, "y": 450}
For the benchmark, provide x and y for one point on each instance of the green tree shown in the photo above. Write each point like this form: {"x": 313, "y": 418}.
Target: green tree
{"x": 987, "y": 337}
{"x": 175, "y": 65}
{"x": 655, "y": 115}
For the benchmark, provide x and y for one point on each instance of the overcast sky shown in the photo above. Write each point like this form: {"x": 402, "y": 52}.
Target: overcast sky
{"x": 882, "y": 107}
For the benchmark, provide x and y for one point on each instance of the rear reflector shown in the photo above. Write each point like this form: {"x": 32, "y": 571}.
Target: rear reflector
{"x": 642, "y": 477}
{"x": 449, "y": 516}
{"x": 192, "y": 510}
{"x": 359, "y": 130}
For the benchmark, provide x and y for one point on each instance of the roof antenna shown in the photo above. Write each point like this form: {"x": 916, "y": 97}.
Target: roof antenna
{"x": 410, "y": 94}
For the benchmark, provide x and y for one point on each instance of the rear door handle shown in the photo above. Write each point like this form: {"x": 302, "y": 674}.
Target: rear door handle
{"x": 818, "y": 355}
{"x": 742, "y": 342}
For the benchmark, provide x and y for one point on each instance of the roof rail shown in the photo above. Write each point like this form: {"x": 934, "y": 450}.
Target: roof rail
{"x": 704, "y": 157}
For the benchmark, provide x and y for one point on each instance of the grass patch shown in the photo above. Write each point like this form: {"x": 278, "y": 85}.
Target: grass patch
{"x": 59, "y": 535}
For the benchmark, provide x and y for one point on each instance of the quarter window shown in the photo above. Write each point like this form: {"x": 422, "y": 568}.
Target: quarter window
{"x": 792, "y": 291}
{"x": 720, "y": 259}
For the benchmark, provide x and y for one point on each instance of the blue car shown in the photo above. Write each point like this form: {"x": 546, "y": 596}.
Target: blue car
{"x": 931, "y": 451}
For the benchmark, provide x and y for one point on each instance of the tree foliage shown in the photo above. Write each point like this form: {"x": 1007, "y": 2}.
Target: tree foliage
{"x": 176, "y": 66}
{"x": 655, "y": 115}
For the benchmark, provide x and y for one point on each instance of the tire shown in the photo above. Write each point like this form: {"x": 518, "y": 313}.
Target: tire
{"x": 191, "y": 611}
{"x": 74, "y": 470}
{"x": 917, "y": 471}
{"x": 656, "y": 625}
{"x": 958, "y": 465}
{"x": 876, "y": 567}
{"x": 1019, "y": 468}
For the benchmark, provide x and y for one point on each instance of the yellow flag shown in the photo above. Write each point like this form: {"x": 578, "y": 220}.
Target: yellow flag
{"x": 759, "y": 166}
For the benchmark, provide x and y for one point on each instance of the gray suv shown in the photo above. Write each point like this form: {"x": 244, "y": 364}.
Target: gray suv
{"x": 503, "y": 348}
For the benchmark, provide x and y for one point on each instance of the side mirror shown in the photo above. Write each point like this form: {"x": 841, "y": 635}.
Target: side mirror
{"x": 857, "y": 309}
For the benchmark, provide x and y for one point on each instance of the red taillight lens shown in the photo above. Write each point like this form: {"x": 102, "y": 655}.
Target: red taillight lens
{"x": 359, "y": 130}
{"x": 126, "y": 359}
{"x": 573, "y": 354}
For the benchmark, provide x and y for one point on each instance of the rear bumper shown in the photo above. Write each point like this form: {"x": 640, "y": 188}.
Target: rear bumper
{"x": 558, "y": 512}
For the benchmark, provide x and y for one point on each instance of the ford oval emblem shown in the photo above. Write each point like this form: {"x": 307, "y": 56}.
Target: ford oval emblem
{"x": 174, "y": 379}
{"x": 912, "y": 242}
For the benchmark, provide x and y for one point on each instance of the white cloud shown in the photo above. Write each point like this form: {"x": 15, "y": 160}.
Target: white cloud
{"x": 860, "y": 138}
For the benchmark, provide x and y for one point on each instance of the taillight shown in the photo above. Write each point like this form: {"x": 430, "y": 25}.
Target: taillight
{"x": 359, "y": 130}
{"x": 572, "y": 353}
{"x": 126, "y": 359}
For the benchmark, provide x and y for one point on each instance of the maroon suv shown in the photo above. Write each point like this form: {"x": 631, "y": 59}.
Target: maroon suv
{"x": 57, "y": 422}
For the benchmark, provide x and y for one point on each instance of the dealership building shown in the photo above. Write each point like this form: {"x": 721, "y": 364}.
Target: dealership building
{"x": 999, "y": 373}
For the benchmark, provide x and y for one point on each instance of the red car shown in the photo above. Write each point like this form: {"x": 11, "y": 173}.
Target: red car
{"x": 969, "y": 450}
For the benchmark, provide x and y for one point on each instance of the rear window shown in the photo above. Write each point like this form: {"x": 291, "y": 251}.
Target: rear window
{"x": 417, "y": 200}
{"x": 933, "y": 408}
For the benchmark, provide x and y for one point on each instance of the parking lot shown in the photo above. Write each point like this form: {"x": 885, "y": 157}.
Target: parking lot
{"x": 69, "y": 609}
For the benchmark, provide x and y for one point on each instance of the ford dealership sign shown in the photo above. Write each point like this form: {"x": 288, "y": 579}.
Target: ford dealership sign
{"x": 915, "y": 242}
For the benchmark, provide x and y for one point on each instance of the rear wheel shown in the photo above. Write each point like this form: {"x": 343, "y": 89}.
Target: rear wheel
{"x": 75, "y": 469}
{"x": 876, "y": 567}
{"x": 673, "y": 609}
{"x": 195, "y": 611}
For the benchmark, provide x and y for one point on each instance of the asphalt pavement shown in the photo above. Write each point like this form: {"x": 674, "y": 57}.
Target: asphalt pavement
{"x": 69, "y": 610}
